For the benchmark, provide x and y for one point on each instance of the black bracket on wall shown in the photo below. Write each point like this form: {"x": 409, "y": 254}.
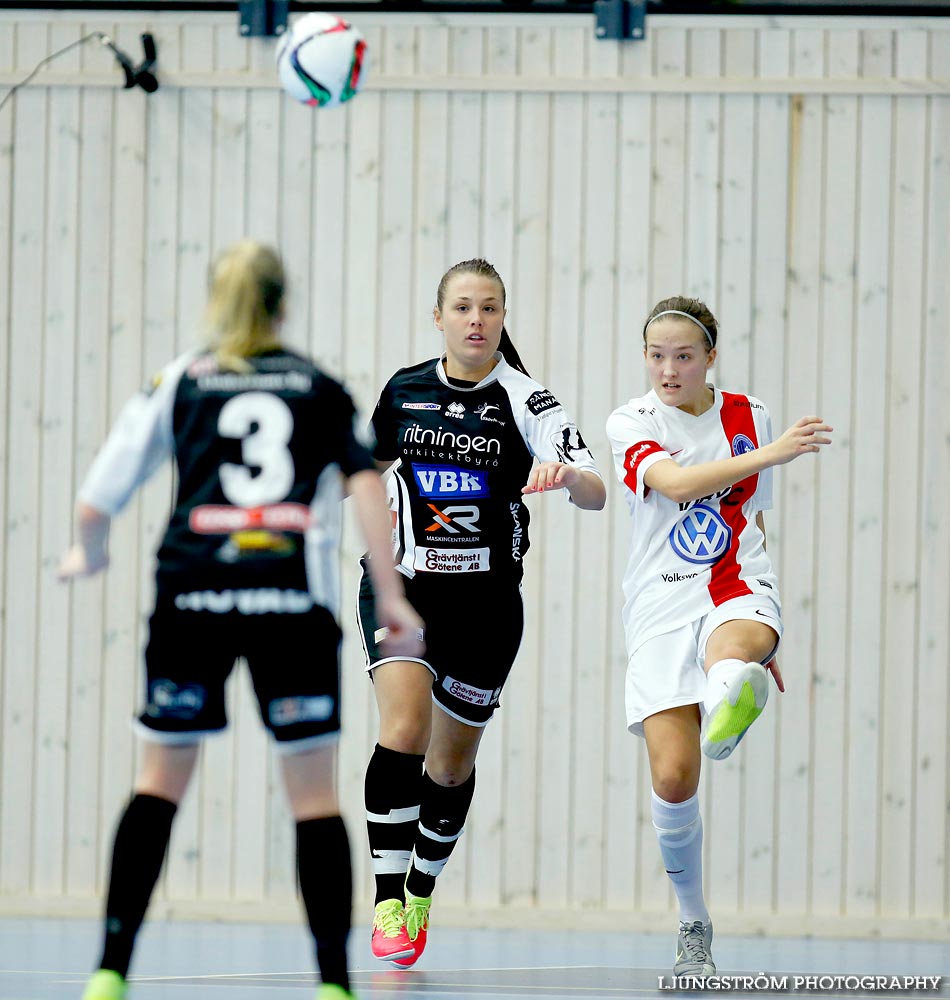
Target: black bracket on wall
{"x": 621, "y": 19}
{"x": 263, "y": 17}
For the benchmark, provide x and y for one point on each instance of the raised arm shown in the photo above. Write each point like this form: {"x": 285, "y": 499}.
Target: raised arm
{"x": 682, "y": 483}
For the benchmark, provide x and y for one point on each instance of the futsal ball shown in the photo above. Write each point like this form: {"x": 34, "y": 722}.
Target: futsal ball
{"x": 321, "y": 60}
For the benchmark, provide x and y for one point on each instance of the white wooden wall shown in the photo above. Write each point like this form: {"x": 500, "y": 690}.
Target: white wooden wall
{"x": 794, "y": 173}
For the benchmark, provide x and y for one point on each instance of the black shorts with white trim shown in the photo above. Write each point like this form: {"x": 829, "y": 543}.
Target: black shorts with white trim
{"x": 291, "y": 646}
{"x": 473, "y": 630}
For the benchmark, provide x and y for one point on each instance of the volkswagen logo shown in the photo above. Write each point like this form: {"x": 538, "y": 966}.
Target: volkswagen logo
{"x": 701, "y": 536}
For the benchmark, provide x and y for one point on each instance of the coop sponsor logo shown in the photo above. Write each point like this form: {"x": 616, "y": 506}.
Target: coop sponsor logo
{"x": 465, "y": 692}
{"x": 223, "y": 519}
{"x": 288, "y": 711}
{"x": 433, "y": 560}
{"x": 439, "y": 481}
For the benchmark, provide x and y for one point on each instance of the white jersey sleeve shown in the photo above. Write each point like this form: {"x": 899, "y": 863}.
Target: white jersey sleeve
{"x": 139, "y": 442}
{"x": 635, "y": 441}
{"x": 548, "y": 429}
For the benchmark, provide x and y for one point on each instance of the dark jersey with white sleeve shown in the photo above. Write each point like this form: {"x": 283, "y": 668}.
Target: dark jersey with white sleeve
{"x": 464, "y": 453}
{"x": 259, "y": 457}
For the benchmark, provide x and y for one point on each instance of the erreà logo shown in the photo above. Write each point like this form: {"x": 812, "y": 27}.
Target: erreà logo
{"x": 455, "y": 410}
{"x": 701, "y": 536}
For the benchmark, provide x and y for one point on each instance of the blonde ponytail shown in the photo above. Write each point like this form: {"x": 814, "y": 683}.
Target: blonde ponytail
{"x": 247, "y": 289}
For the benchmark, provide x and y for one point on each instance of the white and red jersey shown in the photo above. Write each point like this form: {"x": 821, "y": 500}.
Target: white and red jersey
{"x": 687, "y": 558}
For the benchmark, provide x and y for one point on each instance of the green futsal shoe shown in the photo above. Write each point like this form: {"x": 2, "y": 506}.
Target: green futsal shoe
{"x": 742, "y": 703}
{"x": 330, "y": 991}
{"x": 105, "y": 985}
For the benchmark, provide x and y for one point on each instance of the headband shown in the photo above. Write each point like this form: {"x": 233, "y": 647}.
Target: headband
{"x": 677, "y": 312}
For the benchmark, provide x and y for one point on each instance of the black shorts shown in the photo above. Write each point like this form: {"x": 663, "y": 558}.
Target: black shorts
{"x": 473, "y": 632}
{"x": 292, "y": 652}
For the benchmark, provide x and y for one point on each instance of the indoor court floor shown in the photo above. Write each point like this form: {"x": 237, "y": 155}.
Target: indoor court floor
{"x": 49, "y": 959}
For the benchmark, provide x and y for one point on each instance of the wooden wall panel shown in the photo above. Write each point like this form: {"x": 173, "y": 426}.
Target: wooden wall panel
{"x": 793, "y": 173}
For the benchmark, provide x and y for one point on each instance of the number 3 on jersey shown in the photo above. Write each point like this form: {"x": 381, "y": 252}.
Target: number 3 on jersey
{"x": 263, "y": 446}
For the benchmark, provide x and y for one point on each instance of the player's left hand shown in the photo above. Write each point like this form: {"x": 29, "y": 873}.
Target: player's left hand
{"x": 551, "y": 476}
{"x": 772, "y": 668}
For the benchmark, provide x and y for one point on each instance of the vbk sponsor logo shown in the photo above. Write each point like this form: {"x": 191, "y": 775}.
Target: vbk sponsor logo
{"x": 454, "y": 519}
{"x": 741, "y": 444}
{"x": 449, "y": 481}
{"x": 465, "y": 692}
{"x": 567, "y": 441}
{"x": 541, "y": 400}
{"x": 701, "y": 536}
{"x": 287, "y": 711}
{"x": 432, "y": 560}
{"x": 455, "y": 410}
{"x": 421, "y": 406}
{"x": 168, "y": 700}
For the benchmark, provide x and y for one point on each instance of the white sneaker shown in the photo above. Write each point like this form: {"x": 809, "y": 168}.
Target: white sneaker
{"x": 693, "y": 950}
{"x": 726, "y": 722}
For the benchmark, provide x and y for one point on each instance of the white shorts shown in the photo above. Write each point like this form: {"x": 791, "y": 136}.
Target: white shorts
{"x": 669, "y": 670}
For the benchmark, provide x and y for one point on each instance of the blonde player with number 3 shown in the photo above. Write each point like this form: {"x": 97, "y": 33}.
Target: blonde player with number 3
{"x": 262, "y": 440}
{"x": 702, "y": 614}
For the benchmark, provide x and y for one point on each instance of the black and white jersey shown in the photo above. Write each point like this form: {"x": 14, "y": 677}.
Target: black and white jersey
{"x": 259, "y": 458}
{"x": 464, "y": 453}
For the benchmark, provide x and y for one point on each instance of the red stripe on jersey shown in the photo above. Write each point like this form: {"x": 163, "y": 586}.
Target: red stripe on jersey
{"x": 636, "y": 453}
{"x": 724, "y": 582}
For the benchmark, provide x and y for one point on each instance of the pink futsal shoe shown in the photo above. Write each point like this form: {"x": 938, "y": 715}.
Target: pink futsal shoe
{"x": 417, "y": 928}
{"x": 390, "y": 940}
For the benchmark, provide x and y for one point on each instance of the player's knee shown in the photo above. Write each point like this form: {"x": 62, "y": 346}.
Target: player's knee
{"x": 675, "y": 784}
{"x": 449, "y": 770}
{"x": 406, "y": 736}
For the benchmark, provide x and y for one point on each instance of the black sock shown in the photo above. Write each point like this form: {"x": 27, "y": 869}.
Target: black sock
{"x": 442, "y": 814}
{"x": 141, "y": 840}
{"x": 326, "y": 886}
{"x": 393, "y": 791}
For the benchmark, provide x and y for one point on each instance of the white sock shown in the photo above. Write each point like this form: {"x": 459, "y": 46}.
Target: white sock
{"x": 679, "y": 829}
{"x": 718, "y": 678}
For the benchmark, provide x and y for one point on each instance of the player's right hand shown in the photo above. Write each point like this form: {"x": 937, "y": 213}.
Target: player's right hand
{"x": 405, "y": 630}
{"x": 77, "y": 562}
{"x": 804, "y": 436}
